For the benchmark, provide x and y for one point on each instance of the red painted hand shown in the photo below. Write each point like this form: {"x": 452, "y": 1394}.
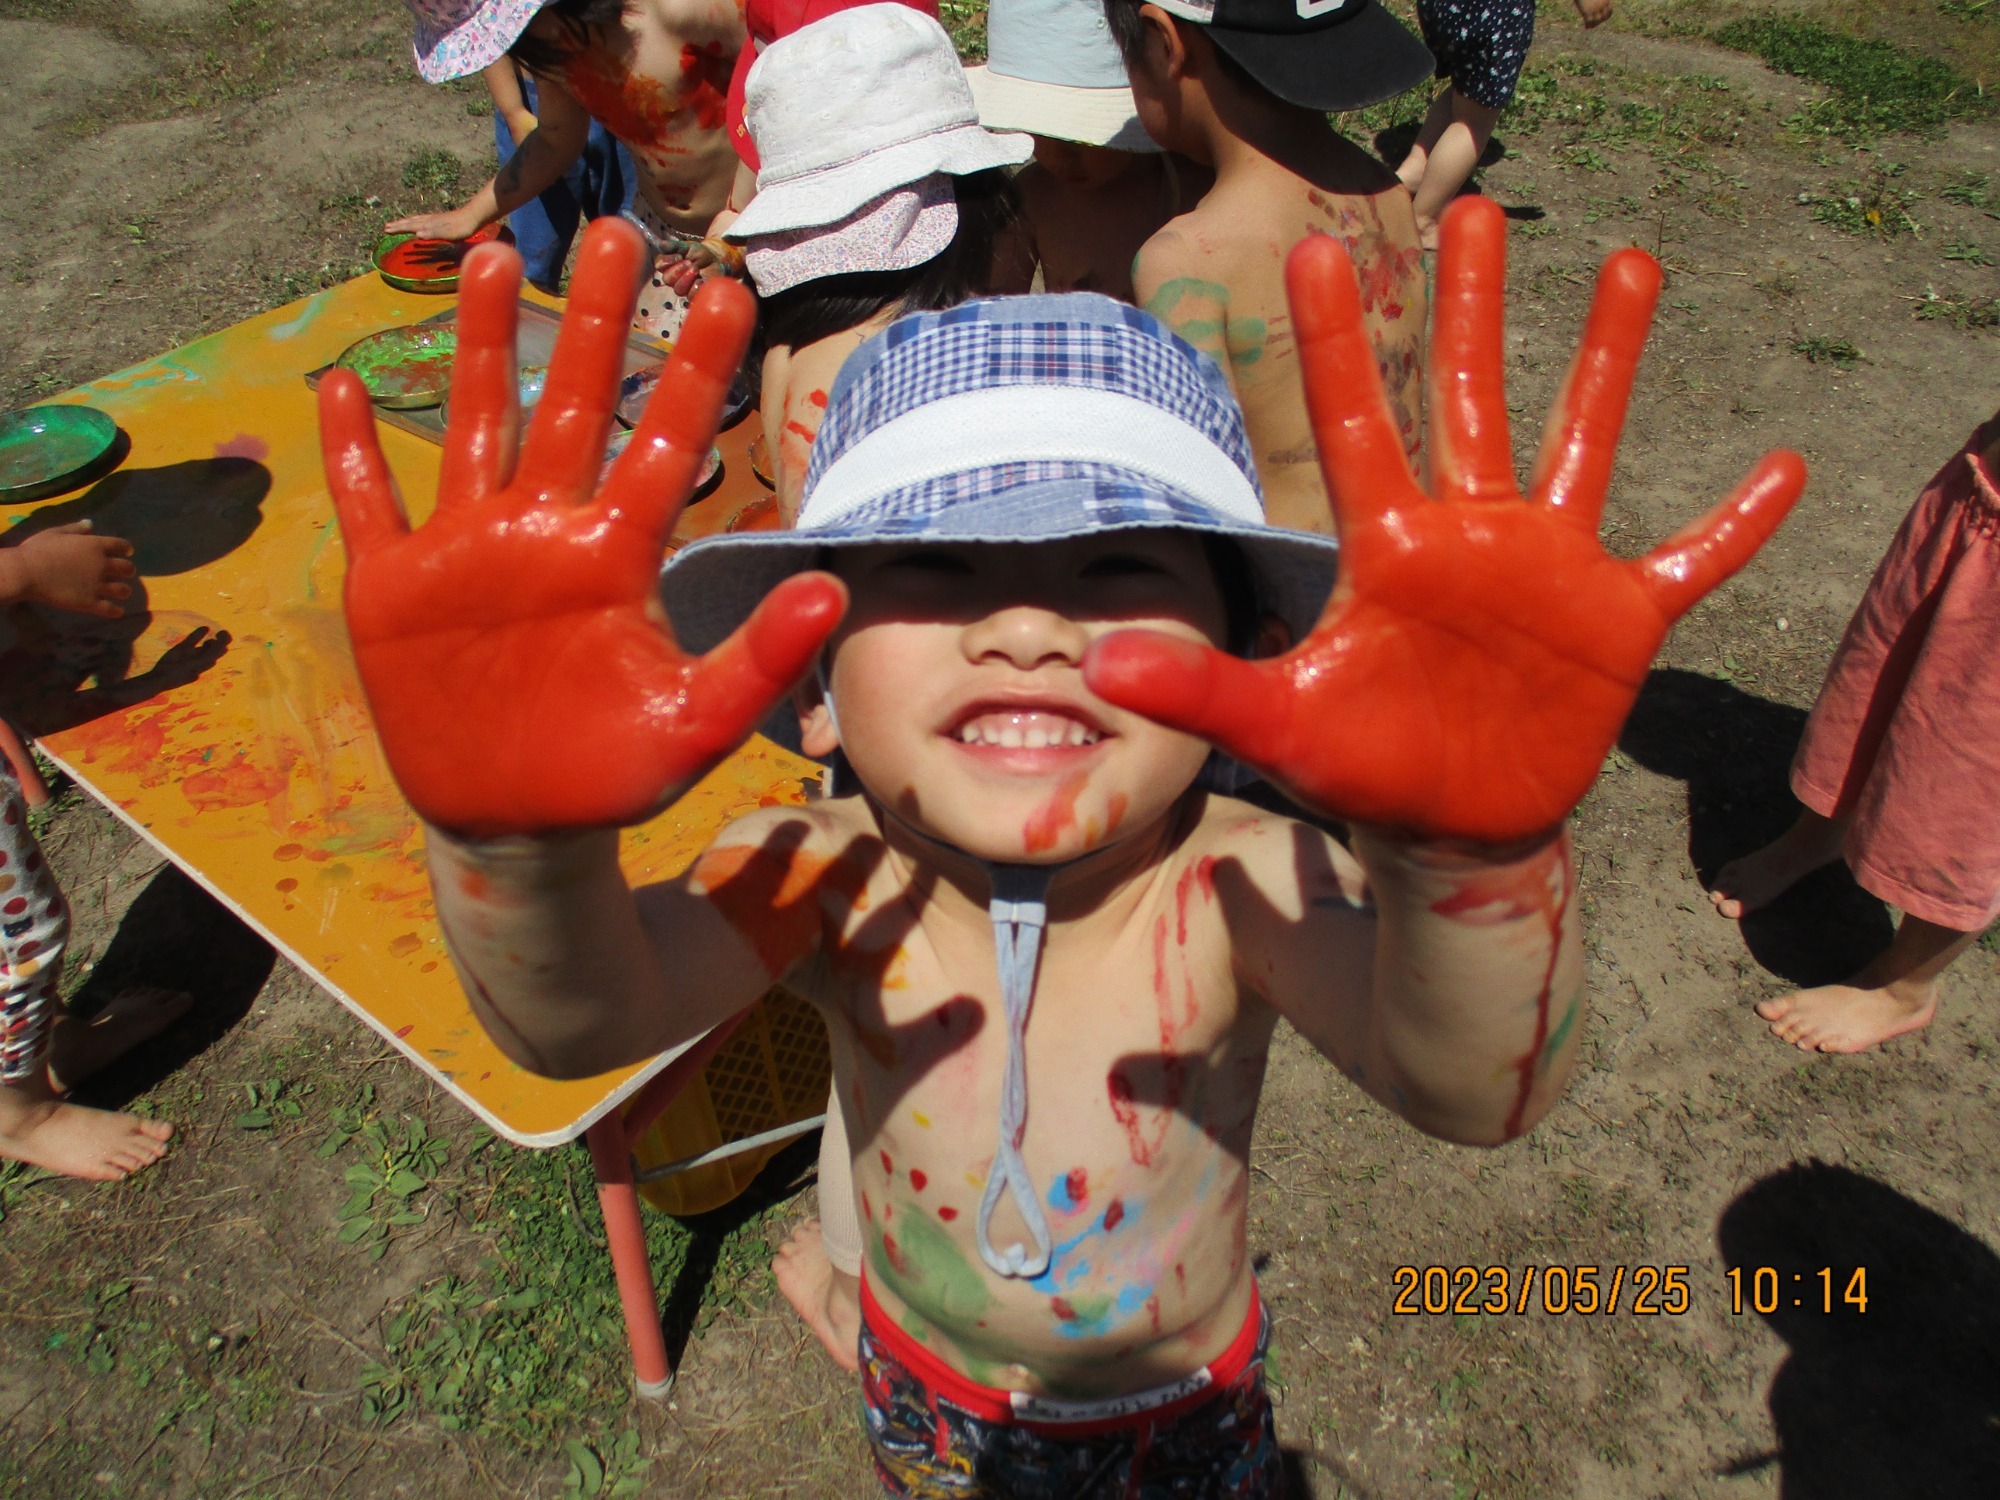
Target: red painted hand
{"x": 1479, "y": 653}
{"x": 515, "y": 657}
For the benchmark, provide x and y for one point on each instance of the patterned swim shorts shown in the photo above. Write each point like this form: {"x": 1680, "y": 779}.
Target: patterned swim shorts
{"x": 939, "y": 1436}
{"x": 1480, "y": 45}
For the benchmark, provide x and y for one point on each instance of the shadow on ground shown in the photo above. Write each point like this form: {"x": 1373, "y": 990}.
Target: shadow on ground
{"x": 1734, "y": 751}
{"x": 1902, "y": 1399}
{"x": 174, "y": 934}
{"x": 784, "y": 1175}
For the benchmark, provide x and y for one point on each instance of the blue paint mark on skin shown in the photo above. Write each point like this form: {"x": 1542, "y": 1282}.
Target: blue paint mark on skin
{"x": 1069, "y": 1264}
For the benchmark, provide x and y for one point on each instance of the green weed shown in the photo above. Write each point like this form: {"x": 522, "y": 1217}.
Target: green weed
{"x": 530, "y": 1346}
{"x": 617, "y": 1470}
{"x": 1876, "y": 206}
{"x": 435, "y": 173}
{"x": 396, "y": 1169}
{"x": 1824, "y": 351}
{"x": 1971, "y": 189}
{"x": 1969, "y": 10}
{"x": 1967, "y": 252}
{"x": 1878, "y": 88}
{"x": 1961, "y": 312}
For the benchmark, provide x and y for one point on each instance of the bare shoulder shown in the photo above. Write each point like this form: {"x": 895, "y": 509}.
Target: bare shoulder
{"x": 718, "y": 19}
{"x": 1290, "y": 864}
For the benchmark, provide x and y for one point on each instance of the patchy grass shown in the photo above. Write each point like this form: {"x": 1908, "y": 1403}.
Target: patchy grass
{"x": 1959, "y": 311}
{"x": 1824, "y": 351}
{"x": 1876, "y": 205}
{"x": 1878, "y": 87}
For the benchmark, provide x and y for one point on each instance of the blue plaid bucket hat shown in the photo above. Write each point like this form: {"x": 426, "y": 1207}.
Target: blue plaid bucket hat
{"x": 1014, "y": 419}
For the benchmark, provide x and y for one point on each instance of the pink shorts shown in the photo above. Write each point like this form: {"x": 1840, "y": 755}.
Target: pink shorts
{"x": 1905, "y": 737}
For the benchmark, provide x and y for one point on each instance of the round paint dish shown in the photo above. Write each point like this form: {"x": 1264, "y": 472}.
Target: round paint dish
{"x": 621, "y": 439}
{"x": 45, "y": 450}
{"x": 412, "y": 265}
{"x": 404, "y": 368}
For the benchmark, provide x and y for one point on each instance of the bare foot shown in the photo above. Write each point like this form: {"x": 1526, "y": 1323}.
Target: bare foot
{"x": 1849, "y": 1017}
{"x": 1743, "y": 885}
{"x": 94, "y": 1144}
{"x": 79, "y": 1048}
{"x": 829, "y": 1300}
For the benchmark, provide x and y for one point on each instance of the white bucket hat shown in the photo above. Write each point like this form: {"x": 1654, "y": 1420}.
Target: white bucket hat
{"x": 1052, "y": 68}
{"x": 855, "y": 105}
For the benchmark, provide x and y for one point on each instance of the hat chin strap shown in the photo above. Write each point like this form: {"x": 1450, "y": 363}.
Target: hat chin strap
{"x": 1019, "y": 910}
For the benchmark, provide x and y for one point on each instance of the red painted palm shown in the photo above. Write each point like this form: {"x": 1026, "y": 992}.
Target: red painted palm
{"x": 515, "y": 658}
{"x": 1481, "y": 650}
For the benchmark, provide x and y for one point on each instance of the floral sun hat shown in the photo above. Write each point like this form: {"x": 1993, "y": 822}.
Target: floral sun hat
{"x": 455, "y": 38}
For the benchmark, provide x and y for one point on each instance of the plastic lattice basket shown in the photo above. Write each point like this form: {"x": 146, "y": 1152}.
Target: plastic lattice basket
{"x": 774, "y": 1070}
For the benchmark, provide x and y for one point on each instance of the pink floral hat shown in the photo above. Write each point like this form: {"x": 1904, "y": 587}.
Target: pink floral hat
{"x": 455, "y": 38}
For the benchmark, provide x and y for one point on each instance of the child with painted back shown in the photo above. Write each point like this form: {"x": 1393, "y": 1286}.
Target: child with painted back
{"x": 1099, "y": 186}
{"x": 1244, "y": 87}
{"x": 653, "y": 72}
{"x": 878, "y": 194}
{"x": 1050, "y": 962}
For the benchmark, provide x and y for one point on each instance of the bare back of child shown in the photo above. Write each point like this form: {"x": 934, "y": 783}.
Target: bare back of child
{"x": 1215, "y": 275}
{"x": 1087, "y": 210}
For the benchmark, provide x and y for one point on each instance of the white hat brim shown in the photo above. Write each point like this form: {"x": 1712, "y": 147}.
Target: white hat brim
{"x": 1064, "y": 112}
{"x": 833, "y": 193}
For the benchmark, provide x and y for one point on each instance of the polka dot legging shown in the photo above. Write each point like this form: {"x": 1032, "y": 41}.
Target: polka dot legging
{"x": 34, "y": 927}
{"x": 1479, "y": 44}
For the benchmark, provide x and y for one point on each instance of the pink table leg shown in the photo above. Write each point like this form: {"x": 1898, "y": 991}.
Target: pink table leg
{"x": 618, "y": 1197}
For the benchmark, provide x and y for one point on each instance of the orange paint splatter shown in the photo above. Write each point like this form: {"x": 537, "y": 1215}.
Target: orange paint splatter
{"x": 288, "y": 885}
{"x": 237, "y": 783}
{"x": 404, "y": 946}
{"x": 818, "y": 398}
{"x": 288, "y": 851}
{"x": 404, "y": 1031}
{"x": 1048, "y": 823}
{"x": 799, "y": 429}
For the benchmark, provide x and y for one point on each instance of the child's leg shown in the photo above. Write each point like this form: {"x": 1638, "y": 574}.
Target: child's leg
{"x": 819, "y": 1266}
{"x": 1436, "y": 122}
{"x": 1451, "y": 160}
{"x": 1894, "y": 994}
{"x": 1758, "y": 879}
{"x": 36, "y": 1126}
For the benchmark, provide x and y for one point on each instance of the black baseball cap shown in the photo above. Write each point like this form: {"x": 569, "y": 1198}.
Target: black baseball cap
{"x": 1318, "y": 54}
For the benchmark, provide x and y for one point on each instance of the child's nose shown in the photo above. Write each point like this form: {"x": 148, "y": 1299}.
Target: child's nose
{"x": 1026, "y": 636}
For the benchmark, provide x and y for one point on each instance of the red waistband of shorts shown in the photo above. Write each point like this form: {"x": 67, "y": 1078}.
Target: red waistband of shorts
{"x": 1069, "y": 1418}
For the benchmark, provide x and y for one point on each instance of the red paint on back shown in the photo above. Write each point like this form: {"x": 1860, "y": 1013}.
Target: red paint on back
{"x": 1114, "y": 1215}
{"x": 918, "y": 1180}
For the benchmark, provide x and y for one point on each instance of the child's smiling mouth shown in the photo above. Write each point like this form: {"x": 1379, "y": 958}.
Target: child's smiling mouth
{"x": 1013, "y": 732}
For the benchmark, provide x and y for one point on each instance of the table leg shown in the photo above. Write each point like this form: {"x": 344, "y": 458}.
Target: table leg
{"x": 611, "y": 1155}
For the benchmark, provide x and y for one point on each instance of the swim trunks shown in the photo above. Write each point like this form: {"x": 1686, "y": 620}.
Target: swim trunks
{"x": 939, "y": 1436}
{"x": 1480, "y": 45}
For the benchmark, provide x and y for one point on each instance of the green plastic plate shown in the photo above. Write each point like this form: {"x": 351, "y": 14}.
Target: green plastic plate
{"x": 404, "y": 368}
{"x": 43, "y": 448}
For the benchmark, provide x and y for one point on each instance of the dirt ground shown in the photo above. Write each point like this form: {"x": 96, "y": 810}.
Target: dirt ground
{"x": 274, "y": 1312}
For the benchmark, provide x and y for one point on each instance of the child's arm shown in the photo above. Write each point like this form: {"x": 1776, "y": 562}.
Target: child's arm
{"x": 527, "y": 692}
{"x": 1179, "y": 289}
{"x": 1474, "y": 664}
{"x": 68, "y": 567}
{"x": 562, "y": 130}
{"x": 503, "y": 85}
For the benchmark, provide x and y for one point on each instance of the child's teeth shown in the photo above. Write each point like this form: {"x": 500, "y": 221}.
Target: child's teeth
{"x": 1076, "y": 734}
{"x": 970, "y": 734}
{"x": 1036, "y": 737}
{"x": 1010, "y": 737}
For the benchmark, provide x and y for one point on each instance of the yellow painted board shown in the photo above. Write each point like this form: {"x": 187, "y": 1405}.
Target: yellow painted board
{"x": 262, "y": 778}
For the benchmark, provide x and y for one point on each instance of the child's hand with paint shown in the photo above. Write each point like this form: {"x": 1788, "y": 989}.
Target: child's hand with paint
{"x": 1479, "y": 652}
{"x": 515, "y": 657}
{"x": 68, "y": 567}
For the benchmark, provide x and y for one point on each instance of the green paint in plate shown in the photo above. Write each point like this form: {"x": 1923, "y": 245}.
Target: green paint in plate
{"x": 42, "y": 447}
{"x": 404, "y": 368}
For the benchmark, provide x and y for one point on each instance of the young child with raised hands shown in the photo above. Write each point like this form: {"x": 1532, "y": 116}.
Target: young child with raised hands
{"x": 43, "y": 1051}
{"x": 879, "y": 194}
{"x": 1099, "y": 186}
{"x": 1020, "y": 601}
{"x": 1897, "y": 760}
{"x": 1244, "y": 87}
{"x": 1480, "y": 47}
{"x": 653, "y": 73}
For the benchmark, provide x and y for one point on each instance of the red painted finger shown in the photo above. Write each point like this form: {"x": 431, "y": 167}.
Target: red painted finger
{"x": 357, "y": 476}
{"x": 736, "y": 684}
{"x": 572, "y": 421}
{"x": 1471, "y": 456}
{"x": 1698, "y": 557}
{"x": 484, "y": 428}
{"x": 1229, "y": 702}
{"x": 1573, "y": 470}
{"x": 1360, "y": 452}
{"x": 657, "y": 471}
